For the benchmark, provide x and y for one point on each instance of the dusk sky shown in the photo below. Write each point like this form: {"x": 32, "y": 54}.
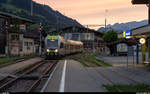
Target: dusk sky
{"x": 93, "y": 11}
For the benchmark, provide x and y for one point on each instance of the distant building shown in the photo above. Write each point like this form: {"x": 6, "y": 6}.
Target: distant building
{"x": 92, "y": 40}
{"x": 20, "y": 41}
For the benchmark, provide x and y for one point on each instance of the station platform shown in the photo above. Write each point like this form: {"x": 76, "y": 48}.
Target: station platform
{"x": 75, "y": 79}
{"x": 12, "y": 69}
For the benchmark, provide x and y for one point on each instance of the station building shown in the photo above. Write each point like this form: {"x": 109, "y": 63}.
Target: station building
{"x": 92, "y": 40}
{"x": 143, "y": 32}
{"x": 20, "y": 41}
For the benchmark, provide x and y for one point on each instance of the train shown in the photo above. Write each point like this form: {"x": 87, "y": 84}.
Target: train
{"x": 57, "y": 46}
{"x": 122, "y": 49}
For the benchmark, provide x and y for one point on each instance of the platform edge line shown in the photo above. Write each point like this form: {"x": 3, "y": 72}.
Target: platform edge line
{"x": 44, "y": 87}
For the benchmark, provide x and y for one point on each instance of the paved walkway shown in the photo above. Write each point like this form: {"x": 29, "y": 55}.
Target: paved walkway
{"x": 4, "y": 72}
{"x": 142, "y": 75}
{"x": 120, "y": 60}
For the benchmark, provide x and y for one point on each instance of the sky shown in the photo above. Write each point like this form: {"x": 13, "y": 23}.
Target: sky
{"x": 95, "y": 11}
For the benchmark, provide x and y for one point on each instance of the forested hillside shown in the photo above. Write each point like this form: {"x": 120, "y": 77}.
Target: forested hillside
{"x": 41, "y": 13}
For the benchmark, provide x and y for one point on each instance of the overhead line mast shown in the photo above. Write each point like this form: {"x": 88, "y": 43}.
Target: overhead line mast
{"x": 31, "y": 8}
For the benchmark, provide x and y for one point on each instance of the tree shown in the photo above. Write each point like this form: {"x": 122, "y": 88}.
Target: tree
{"x": 110, "y": 37}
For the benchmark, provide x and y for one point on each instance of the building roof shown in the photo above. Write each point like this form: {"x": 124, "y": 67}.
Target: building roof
{"x": 140, "y": 1}
{"x": 128, "y": 41}
{"x": 82, "y": 29}
{"x": 141, "y": 30}
{"x": 8, "y": 15}
{"x": 32, "y": 34}
{"x": 2, "y": 16}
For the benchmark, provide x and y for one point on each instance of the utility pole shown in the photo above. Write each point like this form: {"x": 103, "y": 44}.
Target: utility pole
{"x": 148, "y": 5}
{"x": 31, "y": 8}
{"x": 7, "y": 43}
{"x": 106, "y": 20}
{"x": 57, "y": 23}
{"x": 40, "y": 50}
{"x": 105, "y": 25}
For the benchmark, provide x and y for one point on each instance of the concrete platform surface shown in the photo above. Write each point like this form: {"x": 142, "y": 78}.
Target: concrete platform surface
{"x": 83, "y": 79}
{"x": 120, "y": 60}
{"x": 77, "y": 79}
{"x": 11, "y": 69}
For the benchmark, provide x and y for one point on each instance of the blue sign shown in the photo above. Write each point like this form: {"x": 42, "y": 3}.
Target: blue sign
{"x": 128, "y": 33}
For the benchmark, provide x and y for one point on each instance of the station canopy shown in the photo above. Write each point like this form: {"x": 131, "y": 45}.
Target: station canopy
{"x": 140, "y": 1}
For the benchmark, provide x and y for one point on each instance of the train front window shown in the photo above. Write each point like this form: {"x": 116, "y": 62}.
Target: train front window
{"x": 52, "y": 43}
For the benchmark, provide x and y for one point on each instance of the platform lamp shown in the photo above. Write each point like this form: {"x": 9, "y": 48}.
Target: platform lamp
{"x": 7, "y": 39}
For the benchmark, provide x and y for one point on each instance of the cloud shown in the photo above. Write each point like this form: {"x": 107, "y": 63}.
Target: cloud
{"x": 93, "y": 11}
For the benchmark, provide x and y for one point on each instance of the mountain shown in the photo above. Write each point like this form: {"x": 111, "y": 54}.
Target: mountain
{"x": 120, "y": 27}
{"x": 41, "y": 13}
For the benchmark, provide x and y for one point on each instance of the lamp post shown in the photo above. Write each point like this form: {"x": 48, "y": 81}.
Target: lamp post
{"x": 31, "y": 8}
{"x": 7, "y": 43}
{"x": 148, "y": 5}
{"x": 106, "y": 20}
{"x": 40, "y": 50}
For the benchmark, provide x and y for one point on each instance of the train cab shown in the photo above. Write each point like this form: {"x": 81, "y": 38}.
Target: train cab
{"x": 52, "y": 46}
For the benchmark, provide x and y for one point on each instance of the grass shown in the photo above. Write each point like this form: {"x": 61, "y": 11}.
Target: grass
{"x": 5, "y": 62}
{"x": 89, "y": 60}
{"x": 102, "y": 63}
{"x": 128, "y": 88}
{"x": 9, "y": 61}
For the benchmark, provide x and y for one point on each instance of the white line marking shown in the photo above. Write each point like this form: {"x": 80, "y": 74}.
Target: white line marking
{"x": 46, "y": 84}
{"x": 62, "y": 84}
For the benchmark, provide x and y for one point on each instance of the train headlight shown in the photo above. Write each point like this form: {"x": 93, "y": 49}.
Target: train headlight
{"x": 48, "y": 50}
{"x": 56, "y": 51}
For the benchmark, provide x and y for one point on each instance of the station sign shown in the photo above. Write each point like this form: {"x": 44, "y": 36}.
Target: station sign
{"x": 22, "y": 27}
{"x": 89, "y": 36}
{"x": 127, "y": 34}
{"x": 52, "y": 37}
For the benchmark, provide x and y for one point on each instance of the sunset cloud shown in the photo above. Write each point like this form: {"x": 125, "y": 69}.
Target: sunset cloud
{"x": 93, "y": 11}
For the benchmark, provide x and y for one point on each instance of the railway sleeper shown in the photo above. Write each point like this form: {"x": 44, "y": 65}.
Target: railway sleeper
{"x": 12, "y": 76}
{"x": 30, "y": 77}
{"x": 33, "y": 77}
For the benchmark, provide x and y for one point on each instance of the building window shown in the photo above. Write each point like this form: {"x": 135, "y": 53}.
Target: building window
{"x": 14, "y": 37}
{"x": 26, "y": 44}
{"x": 1, "y": 24}
{"x": 30, "y": 43}
{"x": 75, "y": 37}
{"x": 28, "y": 47}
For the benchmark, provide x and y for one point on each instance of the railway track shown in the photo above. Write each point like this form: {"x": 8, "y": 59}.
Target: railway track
{"x": 29, "y": 80}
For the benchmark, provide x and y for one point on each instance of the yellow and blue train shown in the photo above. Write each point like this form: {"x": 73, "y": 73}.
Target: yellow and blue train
{"x": 56, "y": 46}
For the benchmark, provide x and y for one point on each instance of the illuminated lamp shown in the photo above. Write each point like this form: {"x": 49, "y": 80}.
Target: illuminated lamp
{"x": 142, "y": 40}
